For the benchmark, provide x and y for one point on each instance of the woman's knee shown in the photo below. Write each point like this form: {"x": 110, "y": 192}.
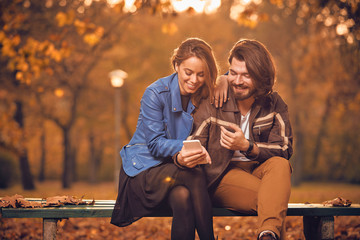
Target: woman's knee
{"x": 193, "y": 178}
{"x": 180, "y": 197}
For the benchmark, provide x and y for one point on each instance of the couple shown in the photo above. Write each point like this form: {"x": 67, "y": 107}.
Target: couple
{"x": 246, "y": 141}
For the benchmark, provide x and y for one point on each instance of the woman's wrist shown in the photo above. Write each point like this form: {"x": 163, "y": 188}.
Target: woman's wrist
{"x": 176, "y": 162}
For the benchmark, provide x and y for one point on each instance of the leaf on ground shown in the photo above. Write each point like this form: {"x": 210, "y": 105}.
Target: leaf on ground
{"x": 338, "y": 202}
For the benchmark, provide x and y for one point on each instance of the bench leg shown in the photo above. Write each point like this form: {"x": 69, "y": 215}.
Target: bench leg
{"x": 321, "y": 228}
{"x": 49, "y": 228}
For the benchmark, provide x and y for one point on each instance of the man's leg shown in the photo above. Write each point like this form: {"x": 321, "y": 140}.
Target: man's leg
{"x": 273, "y": 195}
{"x": 238, "y": 189}
{"x": 267, "y": 186}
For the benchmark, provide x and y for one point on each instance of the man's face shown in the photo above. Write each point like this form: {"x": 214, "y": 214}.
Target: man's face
{"x": 240, "y": 80}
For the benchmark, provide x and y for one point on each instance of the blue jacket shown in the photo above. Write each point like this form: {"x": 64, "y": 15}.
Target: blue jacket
{"x": 162, "y": 126}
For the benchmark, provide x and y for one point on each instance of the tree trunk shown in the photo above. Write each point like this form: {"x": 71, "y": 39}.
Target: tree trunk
{"x": 67, "y": 163}
{"x": 42, "y": 157}
{"x": 125, "y": 111}
{"x": 26, "y": 177}
{"x": 92, "y": 164}
{"x": 322, "y": 132}
{"x": 298, "y": 160}
{"x": 73, "y": 153}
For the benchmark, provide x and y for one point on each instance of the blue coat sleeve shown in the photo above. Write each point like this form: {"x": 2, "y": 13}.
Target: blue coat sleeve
{"x": 155, "y": 123}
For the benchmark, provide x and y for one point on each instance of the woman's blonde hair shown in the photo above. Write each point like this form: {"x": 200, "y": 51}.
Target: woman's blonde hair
{"x": 195, "y": 47}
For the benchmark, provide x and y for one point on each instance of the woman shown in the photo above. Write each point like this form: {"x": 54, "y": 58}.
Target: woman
{"x": 157, "y": 172}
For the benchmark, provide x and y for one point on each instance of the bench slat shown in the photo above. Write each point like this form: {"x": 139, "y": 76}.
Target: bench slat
{"x": 105, "y": 208}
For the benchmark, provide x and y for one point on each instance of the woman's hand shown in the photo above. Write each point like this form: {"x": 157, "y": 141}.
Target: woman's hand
{"x": 221, "y": 91}
{"x": 191, "y": 159}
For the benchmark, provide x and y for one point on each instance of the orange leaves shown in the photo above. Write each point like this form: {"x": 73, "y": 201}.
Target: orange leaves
{"x": 90, "y": 32}
{"x": 11, "y": 134}
{"x": 12, "y": 21}
{"x": 169, "y": 28}
{"x": 251, "y": 20}
{"x": 278, "y": 3}
{"x": 247, "y": 13}
{"x": 18, "y": 201}
{"x": 338, "y": 202}
{"x": 81, "y": 26}
{"x": 65, "y": 18}
{"x": 31, "y": 57}
{"x": 65, "y": 200}
{"x": 8, "y": 44}
{"x": 94, "y": 37}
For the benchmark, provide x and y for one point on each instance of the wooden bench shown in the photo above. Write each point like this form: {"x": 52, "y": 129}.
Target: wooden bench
{"x": 318, "y": 220}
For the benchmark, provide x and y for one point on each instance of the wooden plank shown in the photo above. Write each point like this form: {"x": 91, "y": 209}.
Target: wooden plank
{"x": 105, "y": 210}
{"x": 49, "y": 229}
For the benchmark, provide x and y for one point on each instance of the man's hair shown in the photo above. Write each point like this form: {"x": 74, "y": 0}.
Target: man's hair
{"x": 195, "y": 47}
{"x": 259, "y": 64}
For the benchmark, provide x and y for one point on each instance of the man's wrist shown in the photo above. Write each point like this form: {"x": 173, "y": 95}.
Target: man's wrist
{"x": 250, "y": 148}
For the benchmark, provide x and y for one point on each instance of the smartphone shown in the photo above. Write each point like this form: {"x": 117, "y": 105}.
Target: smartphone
{"x": 192, "y": 145}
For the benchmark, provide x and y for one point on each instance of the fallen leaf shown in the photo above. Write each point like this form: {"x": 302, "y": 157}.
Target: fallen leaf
{"x": 337, "y": 202}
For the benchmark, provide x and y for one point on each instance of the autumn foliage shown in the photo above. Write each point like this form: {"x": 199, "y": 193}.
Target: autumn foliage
{"x": 57, "y": 105}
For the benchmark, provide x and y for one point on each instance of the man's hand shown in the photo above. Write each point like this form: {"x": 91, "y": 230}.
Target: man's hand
{"x": 233, "y": 140}
{"x": 191, "y": 159}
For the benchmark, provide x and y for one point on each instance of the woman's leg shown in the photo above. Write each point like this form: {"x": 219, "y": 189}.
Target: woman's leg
{"x": 194, "y": 180}
{"x": 183, "y": 223}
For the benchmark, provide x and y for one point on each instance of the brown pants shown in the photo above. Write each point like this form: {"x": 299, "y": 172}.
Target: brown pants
{"x": 265, "y": 188}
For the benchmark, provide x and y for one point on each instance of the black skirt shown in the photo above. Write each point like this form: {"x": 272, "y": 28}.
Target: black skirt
{"x": 143, "y": 194}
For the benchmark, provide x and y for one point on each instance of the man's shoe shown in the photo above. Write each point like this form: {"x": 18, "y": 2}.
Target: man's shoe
{"x": 267, "y": 235}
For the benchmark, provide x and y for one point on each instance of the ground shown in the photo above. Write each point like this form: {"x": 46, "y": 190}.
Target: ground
{"x": 159, "y": 228}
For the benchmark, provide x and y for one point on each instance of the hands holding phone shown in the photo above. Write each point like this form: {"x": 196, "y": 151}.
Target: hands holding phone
{"x": 193, "y": 154}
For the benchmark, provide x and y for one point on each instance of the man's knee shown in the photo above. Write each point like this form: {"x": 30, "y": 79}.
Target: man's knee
{"x": 279, "y": 163}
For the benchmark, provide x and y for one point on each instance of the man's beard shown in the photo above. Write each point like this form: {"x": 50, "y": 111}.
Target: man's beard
{"x": 243, "y": 95}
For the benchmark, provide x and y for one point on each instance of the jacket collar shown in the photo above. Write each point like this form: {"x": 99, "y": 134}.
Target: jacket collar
{"x": 176, "y": 96}
{"x": 230, "y": 105}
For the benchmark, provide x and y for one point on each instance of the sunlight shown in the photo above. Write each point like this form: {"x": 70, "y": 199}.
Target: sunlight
{"x": 128, "y": 6}
{"x": 206, "y": 6}
{"x": 200, "y": 6}
{"x": 59, "y": 92}
{"x": 239, "y": 6}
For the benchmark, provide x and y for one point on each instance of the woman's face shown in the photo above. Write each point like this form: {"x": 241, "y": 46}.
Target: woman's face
{"x": 191, "y": 75}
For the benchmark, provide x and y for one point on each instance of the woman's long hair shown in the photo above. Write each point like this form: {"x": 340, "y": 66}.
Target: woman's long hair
{"x": 195, "y": 47}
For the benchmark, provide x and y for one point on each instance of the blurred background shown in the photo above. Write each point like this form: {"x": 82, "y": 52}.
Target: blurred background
{"x": 62, "y": 119}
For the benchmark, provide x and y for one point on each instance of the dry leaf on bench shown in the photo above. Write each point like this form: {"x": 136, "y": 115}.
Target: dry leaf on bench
{"x": 18, "y": 201}
{"x": 337, "y": 202}
{"x": 63, "y": 200}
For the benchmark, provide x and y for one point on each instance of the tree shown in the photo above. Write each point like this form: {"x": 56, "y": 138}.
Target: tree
{"x": 55, "y": 61}
{"x": 63, "y": 49}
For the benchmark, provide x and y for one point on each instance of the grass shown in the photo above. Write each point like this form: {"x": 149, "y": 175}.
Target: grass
{"x": 318, "y": 192}
{"x": 45, "y": 189}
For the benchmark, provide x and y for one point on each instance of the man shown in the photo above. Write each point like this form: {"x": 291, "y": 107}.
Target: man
{"x": 249, "y": 141}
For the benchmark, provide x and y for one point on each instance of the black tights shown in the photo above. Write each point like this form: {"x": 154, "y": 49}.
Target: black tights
{"x": 191, "y": 206}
